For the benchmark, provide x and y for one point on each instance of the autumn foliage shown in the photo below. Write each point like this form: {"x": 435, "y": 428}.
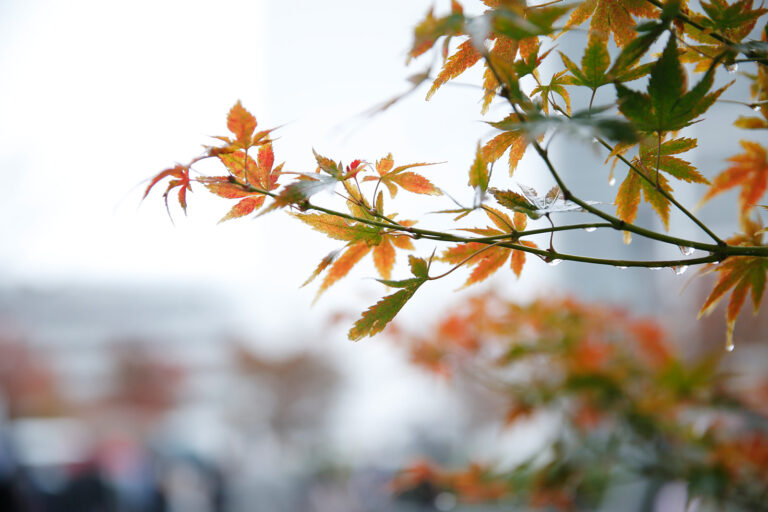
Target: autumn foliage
{"x": 628, "y": 407}
{"x": 644, "y": 130}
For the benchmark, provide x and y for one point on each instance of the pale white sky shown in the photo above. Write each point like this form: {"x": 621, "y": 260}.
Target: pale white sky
{"x": 96, "y": 97}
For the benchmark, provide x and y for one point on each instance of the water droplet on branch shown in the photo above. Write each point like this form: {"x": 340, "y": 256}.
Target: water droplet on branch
{"x": 654, "y": 268}
{"x": 554, "y": 262}
{"x": 680, "y": 270}
{"x": 732, "y": 68}
{"x": 621, "y": 267}
{"x": 590, "y": 229}
{"x": 685, "y": 250}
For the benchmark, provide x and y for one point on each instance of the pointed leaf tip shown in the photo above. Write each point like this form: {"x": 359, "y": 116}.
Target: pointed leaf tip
{"x": 241, "y": 122}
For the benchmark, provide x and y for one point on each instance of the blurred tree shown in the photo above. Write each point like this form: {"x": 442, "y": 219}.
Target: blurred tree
{"x": 627, "y": 406}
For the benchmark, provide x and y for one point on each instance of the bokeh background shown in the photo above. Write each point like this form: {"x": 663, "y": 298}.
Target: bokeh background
{"x": 178, "y": 365}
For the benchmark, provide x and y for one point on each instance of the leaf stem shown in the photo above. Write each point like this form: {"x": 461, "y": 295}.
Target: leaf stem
{"x": 465, "y": 260}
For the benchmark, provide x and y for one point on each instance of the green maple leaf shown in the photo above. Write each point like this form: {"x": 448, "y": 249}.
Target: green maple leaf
{"x": 593, "y": 72}
{"x": 668, "y": 105}
{"x": 380, "y": 314}
{"x": 555, "y": 86}
{"x": 654, "y": 160}
{"x": 734, "y": 21}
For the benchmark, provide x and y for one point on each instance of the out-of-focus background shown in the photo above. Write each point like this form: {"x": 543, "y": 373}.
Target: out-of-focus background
{"x": 150, "y": 365}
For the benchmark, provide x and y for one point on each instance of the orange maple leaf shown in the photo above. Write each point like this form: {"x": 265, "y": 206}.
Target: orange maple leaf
{"x": 504, "y": 50}
{"x": 465, "y": 57}
{"x": 750, "y": 172}
{"x": 410, "y": 181}
{"x": 742, "y": 274}
{"x": 241, "y": 123}
{"x": 181, "y": 173}
{"x": 612, "y": 16}
{"x": 341, "y": 267}
{"x": 487, "y": 259}
{"x": 515, "y": 141}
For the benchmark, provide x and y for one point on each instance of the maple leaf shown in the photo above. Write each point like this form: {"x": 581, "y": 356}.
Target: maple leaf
{"x": 245, "y": 207}
{"x": 514, "y": 141}
{"x": 750, "y": 172}
{"x": 629, "y": 194}
{"x": 465, "y": 57}
{"x": 426, "y": 33}
{"x": 518, "y": 22}
{"x": 612, "y": 16}
{"x": 237, "y": 162}
{"x": 398, "y": 177}
{"x": 241, "y": 123}
{"x": 264, "y": 175}
{"x": 328, "y": 166}
{"x": 339, "y": 228}
{"x": 734, "y": 21}
{"x": 504, "y": 50}
{"x": 343, "y": 264}
{"x": 742, "y": 274}
{"x": 650, "y": 157}
{"x": 324, "y": 263}
{"x": 224, "y": 186}
{"x": 487, "y": 259}
{"x": 247, "y": 170}
{"x": 628, "y": 197}
{"x": 555, "y": 86}
{"x": 478, "y": 173}
{"x": 384, "y": 258}
{"x": 593, "y": 72}
{"x": 667, "y": 106}
{"x": 751, "y": 123}
{"x": 181, "y": 175}
{"x": 380, "y": 314}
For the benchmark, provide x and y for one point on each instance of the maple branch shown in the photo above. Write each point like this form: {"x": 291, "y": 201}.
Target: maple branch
{"x": 615, "y": 221}
{"x": 656, "y": 186}
{"x": 717, "y": 253}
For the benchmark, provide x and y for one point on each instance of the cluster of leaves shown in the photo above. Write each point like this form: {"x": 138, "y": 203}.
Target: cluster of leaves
{"x": 641, "y": 132}
{"x": 628, "y": 407}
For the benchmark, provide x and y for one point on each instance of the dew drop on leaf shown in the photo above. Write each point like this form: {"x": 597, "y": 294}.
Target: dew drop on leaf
{"x": 729, "y": 345}
{"x": 627, "y": 238}
{"x": 611, "y": 181}
{"x": 680, "y": 270}
{"x": 685, "y": 250}
{"x": 590, "y": 229}
{"x": 732, "y": 68}
{"x": 555, "y": 262}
